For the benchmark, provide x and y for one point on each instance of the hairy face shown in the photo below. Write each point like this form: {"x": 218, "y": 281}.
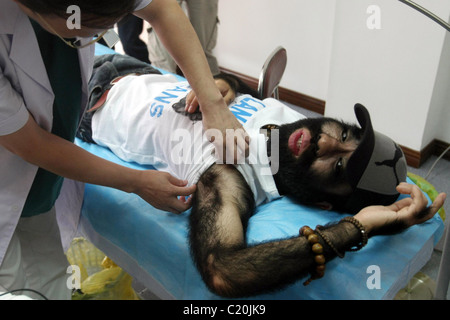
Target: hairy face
{"x": 313, "y": 157}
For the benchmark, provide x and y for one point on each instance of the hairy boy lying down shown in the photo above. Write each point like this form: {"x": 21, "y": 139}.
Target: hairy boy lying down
{"x": 317, "y": 161}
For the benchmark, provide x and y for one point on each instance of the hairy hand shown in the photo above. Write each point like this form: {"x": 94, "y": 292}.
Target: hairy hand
{"x": 401, "y": 214}
{"x": 165, "y": 192}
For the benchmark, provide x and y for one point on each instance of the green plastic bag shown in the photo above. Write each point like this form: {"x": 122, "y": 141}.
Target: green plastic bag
{"x": 428, "y": 188}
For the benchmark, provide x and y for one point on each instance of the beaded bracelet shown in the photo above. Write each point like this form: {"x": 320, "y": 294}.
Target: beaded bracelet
{"x": 362, "y": 230}
{"x": 317, "y": 249}
{"x": 328, "y": 242}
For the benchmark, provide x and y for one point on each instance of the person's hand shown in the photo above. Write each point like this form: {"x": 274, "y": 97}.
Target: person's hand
{"x": 221, "y": 126}
{"x": 227, "y": 92}
{"x": 165, "y": 192}
{"x": 402, "y": 214}
{"x": 230, "y": 139}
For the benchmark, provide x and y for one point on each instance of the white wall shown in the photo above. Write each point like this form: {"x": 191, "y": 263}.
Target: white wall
{"x": 438, "y": 122}
{"x": 250, "y": 29}
{"x": 392, "y": 70}
{"x": 400, "y": 72}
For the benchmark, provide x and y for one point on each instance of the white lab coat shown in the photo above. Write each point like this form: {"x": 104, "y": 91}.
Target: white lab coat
{"x": 25, "y": 89}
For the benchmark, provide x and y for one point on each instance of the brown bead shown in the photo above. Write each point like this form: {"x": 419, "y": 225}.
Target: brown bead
{"x": 319, "y": 274}
{"x": 306, "y": 231}
{"x": 317, "y": 248}
{"x": 319, "y": 259}
{"x": 320, "y": 268}
{"x": 313, "y": 238}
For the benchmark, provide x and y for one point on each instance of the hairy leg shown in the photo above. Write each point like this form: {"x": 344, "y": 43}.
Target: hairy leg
{"x": 222, "y": 206}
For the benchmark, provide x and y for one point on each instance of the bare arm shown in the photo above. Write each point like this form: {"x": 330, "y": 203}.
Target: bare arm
{"x": 50, "y": 152}
{"x": 178, "y": 36}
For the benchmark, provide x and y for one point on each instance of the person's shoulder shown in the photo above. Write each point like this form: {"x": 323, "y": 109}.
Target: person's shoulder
{"x": 9, "y": 12}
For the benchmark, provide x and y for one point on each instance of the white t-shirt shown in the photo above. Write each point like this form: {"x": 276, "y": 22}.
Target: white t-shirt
{"x": 138, "y": 122}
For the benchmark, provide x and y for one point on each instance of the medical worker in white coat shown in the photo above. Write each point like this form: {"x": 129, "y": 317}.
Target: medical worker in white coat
{"x": 44, "y": 70}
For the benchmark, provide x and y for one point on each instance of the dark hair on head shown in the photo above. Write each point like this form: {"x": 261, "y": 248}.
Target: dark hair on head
{"x": 237, "y": 84}
{"x": 94, "y": 13}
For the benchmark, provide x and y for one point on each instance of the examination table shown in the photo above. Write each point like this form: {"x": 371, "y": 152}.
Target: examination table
{"x": 152, "y": 245}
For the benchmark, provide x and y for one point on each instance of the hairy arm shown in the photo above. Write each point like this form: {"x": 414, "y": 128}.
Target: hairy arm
{"x": 222, "y": 206}
{"x": 54, "y": 154}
